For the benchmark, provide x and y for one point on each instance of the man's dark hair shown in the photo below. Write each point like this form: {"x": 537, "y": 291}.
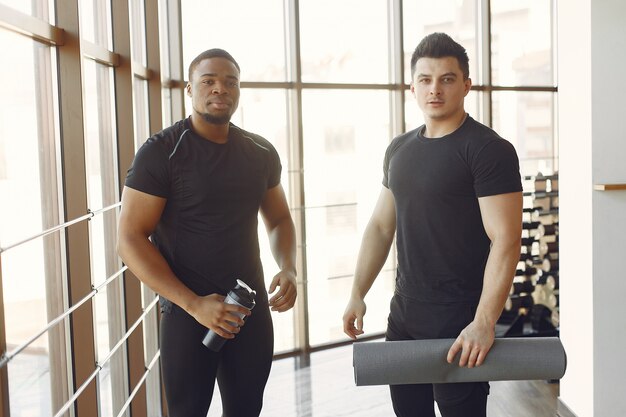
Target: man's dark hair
{"x": 211, "y": 53}
{"x": 440, "y": 45}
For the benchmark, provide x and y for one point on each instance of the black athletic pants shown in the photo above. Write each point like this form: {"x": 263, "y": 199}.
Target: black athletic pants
{"x": 412, "y": 320}
{"x": 190, "y": 369}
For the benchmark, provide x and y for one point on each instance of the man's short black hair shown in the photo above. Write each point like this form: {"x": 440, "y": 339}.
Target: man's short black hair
{"x": 211, "y": 53}
{"x": 440, "y": 45}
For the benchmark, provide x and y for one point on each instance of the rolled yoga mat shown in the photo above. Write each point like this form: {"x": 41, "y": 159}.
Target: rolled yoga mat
{"x": 424, "y": 361}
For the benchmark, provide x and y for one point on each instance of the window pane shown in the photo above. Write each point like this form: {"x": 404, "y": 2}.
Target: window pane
{"x": 112, "y": 385}
{"x": 25, "y": 315}
{"x": 457, "y": 18}
{"x": 264, "y": 112}
{"x": 526, "y": 119}
{"x": 32, "y": 273}
{"x": 521, "y": 49}
{"x": 102, "y": 191}
{"x": 252, "y": 31}
{"x": 413, "y": 115}
{"x": 164, "y": 38}
{"x": 150, "y": 323}
{"x": 338, "y": 49}
{"x": 141, "y": 108}
{"x": 138, "y": 29}
{"x": 344, "y": 146}
{"x": 101, "y": 165}
{"x": 95, "y": 22}
{"x": 151, "y": 346}
{"x": 43, "y": 9}
{"x": 164, "y": 54}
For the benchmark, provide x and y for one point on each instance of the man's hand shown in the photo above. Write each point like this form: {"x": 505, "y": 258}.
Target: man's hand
{"x": 212, "y": 312}
{"x": 285, "y": 298}
{"x": 474, "y": 343}
{"x": 354, "y": 313}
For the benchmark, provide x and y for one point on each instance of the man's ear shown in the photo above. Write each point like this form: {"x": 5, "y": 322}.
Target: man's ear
{"x": 188, "y": 88}
{"x": 468, "y": 85}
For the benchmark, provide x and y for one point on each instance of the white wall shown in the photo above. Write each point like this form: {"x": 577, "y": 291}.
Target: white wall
{"x": 592, "y": 141}
{"x": 608, "y": 54}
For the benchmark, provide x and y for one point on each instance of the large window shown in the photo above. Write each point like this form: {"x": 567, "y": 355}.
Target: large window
{"x": 31, "y": 273}
{"x": 59, "y": 187}
{"x": 326, "y": 82}
{"x": 345, "y": 117}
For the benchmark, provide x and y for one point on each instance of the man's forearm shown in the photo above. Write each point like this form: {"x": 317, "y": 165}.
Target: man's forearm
{"x": 283, "y": 244}
{"x": 373, "y": 253}
{"x": 499, "y": 273}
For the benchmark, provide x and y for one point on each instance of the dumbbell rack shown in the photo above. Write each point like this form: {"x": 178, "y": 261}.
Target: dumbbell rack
{"x": 532, "y": 308}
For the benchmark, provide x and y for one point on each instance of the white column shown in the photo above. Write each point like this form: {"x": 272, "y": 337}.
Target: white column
{"x": 592, "y": 141}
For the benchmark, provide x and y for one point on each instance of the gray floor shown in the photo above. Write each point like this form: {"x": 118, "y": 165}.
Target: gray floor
{"x": 326, "y": 389}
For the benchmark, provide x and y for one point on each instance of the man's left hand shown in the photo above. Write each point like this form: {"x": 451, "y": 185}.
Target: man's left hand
{"x": 285, "y": 298}
{"x": 474, "y": 343}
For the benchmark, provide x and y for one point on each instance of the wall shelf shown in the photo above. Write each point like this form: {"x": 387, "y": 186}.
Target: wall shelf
{"x": 609, "y": 187}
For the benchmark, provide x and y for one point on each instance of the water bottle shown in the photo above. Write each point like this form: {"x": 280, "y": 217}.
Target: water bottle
{"x": 241, "y": 295}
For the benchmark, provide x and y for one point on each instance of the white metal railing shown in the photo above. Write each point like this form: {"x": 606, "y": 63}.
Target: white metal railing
{"x": 6, "y": 357}
{"x": 99, "y": 366}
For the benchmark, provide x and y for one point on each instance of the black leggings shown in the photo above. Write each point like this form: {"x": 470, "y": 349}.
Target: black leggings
{"x": 190, "y": 369}
{"x": 410, "y": 320}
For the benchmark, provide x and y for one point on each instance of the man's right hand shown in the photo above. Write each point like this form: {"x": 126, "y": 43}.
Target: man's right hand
{"x": 353, "y": 318}
{"x": 212, "y": 312}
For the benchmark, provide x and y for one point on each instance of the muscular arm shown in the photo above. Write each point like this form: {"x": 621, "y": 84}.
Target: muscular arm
{"x": 502, "y": 219}
{"x": 282, "y": 236}
{"x": 140, "y": 214}
{"x": 375, "y": 245}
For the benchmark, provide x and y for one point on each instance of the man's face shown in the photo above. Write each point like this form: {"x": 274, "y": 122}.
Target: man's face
{"x": 214, "y": 90}
{"x": 439, "y": 87}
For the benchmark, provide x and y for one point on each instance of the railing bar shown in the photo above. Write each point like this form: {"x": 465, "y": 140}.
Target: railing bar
{"x": 128, "y": 333}
{"x": 79, "y": 391}
{"x": 107, "y": 208}
{"x": 325, "y": 206}
{"x": 56, "y": 228}
{"x": 47, "y": 232}
{"x": 332, "y": 277}
{"x": 111, "y": 278}
{"x": 139, "y": 384}
{"x": 7, "y": 357}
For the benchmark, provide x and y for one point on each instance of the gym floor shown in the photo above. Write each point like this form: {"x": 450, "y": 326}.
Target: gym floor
{"x": 326, "y": 388}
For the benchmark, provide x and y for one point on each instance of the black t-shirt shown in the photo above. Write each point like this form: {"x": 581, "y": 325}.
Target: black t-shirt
{"x": 442, "y": 244}
{"x": 208, "y": 229}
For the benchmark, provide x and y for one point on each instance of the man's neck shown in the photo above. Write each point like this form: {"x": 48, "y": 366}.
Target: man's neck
{"x": 438, "y": 128}
{"x": 213, "y": 132}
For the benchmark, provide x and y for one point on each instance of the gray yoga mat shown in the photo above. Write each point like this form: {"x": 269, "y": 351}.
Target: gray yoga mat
{"x": 424, "y": 361}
